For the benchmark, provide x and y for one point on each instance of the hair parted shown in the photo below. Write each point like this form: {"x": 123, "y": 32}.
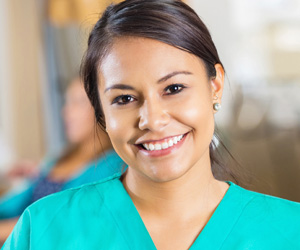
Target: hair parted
{"x": 170, "y": 21}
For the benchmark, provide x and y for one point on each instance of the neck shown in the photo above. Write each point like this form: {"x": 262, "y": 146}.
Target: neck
{"x": 196, "y": 191}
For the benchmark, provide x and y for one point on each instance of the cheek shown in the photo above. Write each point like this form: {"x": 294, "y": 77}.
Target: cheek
{"x": 197, "y": 111}
{"x": 118, "y": 127}
{"x": 197, "y": 114}
{"x": 120, "y": 131}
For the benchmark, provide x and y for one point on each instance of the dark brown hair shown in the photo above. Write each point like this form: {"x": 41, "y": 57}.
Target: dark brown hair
{"x": 169, "y": 21}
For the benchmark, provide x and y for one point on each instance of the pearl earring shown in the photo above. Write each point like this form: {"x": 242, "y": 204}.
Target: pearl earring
{"x": 217, "y": 106}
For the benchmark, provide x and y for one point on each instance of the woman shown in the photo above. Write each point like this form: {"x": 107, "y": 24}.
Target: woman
{"x": 155, "y": 80}
{"x": 84, "y": 161}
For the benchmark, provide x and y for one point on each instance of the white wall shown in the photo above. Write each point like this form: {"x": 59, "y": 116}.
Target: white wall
{"x": 20, "y": 79}
{"x": 6, "y": 131}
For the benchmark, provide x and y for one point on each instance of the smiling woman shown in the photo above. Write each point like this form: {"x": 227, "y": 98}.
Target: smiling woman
{"x": 155, "y": 80}
{"x": 164, "y": 106}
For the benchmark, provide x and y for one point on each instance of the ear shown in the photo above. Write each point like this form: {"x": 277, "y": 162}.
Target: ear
{"x": 217, "y": 84}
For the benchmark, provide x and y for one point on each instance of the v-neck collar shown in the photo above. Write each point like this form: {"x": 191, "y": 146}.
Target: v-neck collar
{"x": 126, "y": 217}
{"x": 223, "y": 219}
{"x": 136, "y": 234}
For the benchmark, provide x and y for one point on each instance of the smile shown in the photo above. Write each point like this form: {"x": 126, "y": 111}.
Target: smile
{"x": 170, "y": 142}
{"x": 163, "y": 147}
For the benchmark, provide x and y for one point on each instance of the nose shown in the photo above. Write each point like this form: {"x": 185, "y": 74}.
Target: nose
{"x": 153, "y": 116}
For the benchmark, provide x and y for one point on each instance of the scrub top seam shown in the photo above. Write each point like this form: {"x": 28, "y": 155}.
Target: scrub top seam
{"x": 53, "y": 218}
{"x": 116, "y": 223}
{"x": 233, "y": 226}
{"x": 115, "y": 220}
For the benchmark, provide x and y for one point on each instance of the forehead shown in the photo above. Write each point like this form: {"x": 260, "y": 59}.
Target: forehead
{"x": 132, "y": 56}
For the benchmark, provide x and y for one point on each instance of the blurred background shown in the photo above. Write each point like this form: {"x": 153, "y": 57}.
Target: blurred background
{"x": 42, "y": 43}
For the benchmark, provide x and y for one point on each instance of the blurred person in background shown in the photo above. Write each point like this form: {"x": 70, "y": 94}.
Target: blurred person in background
{"x": 89, "y": 157}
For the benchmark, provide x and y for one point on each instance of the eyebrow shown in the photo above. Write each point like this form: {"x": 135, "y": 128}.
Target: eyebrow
{"x": 163, "y": 79}
{"x": 119, "y": 86}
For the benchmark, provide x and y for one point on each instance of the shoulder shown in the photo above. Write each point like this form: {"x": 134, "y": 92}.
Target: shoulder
{"x": 91, "y": 193}
{"x": 73, "y": 215}
{"x": 269, "y": 215}
{"x": 268, "y": 203}
{"x": 258, "y": 221}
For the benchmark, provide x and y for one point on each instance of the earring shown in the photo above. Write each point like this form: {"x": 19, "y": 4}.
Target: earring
{"x": 217, "y": 106}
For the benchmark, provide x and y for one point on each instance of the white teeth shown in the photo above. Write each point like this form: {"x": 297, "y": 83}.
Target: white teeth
{"x": 164, "y": 145}
{"x": 151, "y": 147}
{"x": 175, "y": 140}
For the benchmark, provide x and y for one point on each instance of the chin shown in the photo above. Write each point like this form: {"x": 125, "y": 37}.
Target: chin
{"x": 166, "y": 175}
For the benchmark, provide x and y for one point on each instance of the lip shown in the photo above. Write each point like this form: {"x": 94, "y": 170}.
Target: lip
{"x": 162, "y": 152}
{"x": 157, "y": 141}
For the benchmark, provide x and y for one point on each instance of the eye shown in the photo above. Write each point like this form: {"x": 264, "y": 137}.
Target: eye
{"x": 174, "y": 89}
{"x": 123, "y": 100}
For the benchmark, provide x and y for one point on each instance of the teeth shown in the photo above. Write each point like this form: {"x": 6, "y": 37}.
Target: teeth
{"x": 164, "y": 145}
{"x": 151, "y": 147}
{"x": 175, "y": 140}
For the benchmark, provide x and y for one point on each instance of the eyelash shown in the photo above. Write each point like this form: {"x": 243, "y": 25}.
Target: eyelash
{"x": 119, "y": 98}
{"x": 180, "y": 86}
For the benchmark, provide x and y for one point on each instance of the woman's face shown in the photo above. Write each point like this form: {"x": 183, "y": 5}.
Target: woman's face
{"x": 157, "y": 101}
{"x": 78, "y": 114}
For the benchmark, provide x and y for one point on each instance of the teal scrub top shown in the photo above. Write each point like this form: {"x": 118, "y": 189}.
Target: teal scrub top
{"x": 102, "y": 215}
{"x": 13, "y": 204}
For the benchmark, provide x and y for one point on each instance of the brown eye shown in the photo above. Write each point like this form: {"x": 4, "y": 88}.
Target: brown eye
{"x": 123, "y": 99}
{"x": 174, "y": 89}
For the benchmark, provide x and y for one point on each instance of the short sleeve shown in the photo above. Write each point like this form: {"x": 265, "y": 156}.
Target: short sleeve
{"x": 20, "y": 237}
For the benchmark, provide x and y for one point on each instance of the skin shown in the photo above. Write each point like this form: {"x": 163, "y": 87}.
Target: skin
{"x": 79, "y": 119}
{"x": 176, "y": 193}
{"x": 78, "y": 114}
